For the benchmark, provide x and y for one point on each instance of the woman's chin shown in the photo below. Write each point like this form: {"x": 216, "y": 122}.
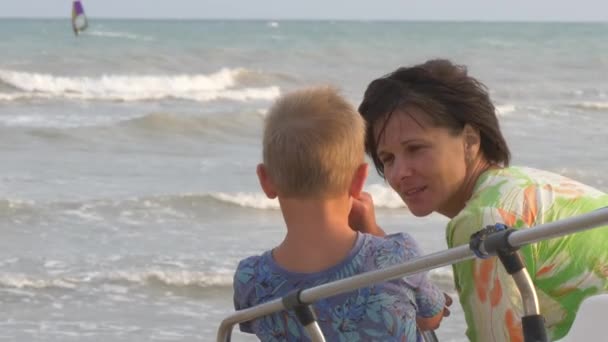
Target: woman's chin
{"x": 420, "y": 211}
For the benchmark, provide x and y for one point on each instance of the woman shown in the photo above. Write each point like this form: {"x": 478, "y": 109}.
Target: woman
{"x": 434, "y": 136}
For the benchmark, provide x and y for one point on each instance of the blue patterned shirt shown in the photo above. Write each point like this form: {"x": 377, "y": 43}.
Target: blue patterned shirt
{"x": 380, "y": 312}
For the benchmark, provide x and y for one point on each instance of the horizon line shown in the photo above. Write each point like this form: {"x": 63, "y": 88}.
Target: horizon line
{"x": 320, "y": 19}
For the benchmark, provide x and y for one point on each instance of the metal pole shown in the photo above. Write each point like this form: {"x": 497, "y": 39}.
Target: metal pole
{"x": 314, "y": 332}
{"x": 594, "y": 219}
{"x": 429, "y": 336}
{"x": 311, "y": 295}
{"x": 450, "y": 256}
{"x": 528, "y": 293}
{"x": 420, "y": 264}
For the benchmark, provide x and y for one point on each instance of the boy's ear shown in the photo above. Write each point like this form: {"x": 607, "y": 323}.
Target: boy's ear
{"x": 265, "y": 181}
{"x": 356, "y": 186}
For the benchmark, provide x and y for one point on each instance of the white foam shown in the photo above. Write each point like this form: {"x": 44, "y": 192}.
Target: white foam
{"x": 503, "y": 110}
{"x": 16, "y": 203}
{"x": 172, "y": 277}
{"x": 248, "y": 200}
{"x": 124, "y": 35}
{"x": 497, "y": 43}
{"x": 591, "y": 105}
{"x": 199, "y": 87}
{"x": 262, "y": 112}
{"x": 384, "y": 196}
{"x": 54, "y": 264}
{"x": 8, "y": 261}
{"x": 21, "y": 281}
{"x": 111, "y": 288}
{"x": 84, "y": 215}
{"x": 7, "y": 97}
{"x": 268, "y": 93}
{"x": 54, "y": 120}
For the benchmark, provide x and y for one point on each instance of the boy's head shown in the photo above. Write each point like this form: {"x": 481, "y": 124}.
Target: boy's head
{"x": 314, "y": 145}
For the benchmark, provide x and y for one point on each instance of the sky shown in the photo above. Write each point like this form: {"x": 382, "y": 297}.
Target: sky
{"x": 453, "y": 10}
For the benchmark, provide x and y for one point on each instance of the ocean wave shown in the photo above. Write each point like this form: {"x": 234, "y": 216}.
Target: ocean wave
{"x": 177, "y": 278}
{"x": 222, "y": 84}
{"x": 136, "y": 210}
{"x": 15, "y": 203}
{"x": 60, "y": 126}
{"x": 247, "y": 200}
{"x": 10, "y": 207}
{"x": 132, "y": 211}
{"x": 154, "y": 277}
{"x": 21, "y": 281}
{"x": 151, "y": 277}
{"x": 596, "y": 106}
{"x": 53, "y": 120}
{"x": 383, "y": 196}
{"x": 503, "y": 110}
{"x": 497, "y": 43}
{"x": 175, "y": 204}
{"x": 228, "y": 125}
{"x": 113, "y": 34}
{"x": 7, "y": 97}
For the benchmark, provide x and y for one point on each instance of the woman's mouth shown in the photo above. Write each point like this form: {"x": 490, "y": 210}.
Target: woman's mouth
{"x": 414, "y": 191}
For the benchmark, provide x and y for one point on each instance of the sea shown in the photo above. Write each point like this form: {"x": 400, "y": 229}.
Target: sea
{"x": 127, "y": 188}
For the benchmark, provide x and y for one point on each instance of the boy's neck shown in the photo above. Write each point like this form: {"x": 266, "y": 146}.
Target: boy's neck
{"x": 318, "y": 235}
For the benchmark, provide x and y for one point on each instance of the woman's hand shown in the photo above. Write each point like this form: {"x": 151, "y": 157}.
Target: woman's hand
{"x": 362, "y": 216}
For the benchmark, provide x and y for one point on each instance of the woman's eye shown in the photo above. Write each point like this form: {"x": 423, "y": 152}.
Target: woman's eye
{"x": 414, "y": 148}
{"x": 386, "y": 159}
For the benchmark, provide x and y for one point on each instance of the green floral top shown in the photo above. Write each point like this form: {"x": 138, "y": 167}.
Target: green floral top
{"x": 565, "y": 270}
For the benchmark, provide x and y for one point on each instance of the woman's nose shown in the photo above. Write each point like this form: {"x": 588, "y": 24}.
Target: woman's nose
{"x": 402, "y": 169}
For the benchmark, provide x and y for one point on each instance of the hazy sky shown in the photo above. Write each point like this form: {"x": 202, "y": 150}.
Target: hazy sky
{"x": 487, "y": 10}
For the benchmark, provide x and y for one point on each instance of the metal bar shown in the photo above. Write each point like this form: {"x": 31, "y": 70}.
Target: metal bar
{"x": 450, "y": 256}
{"x": 528, "y": 293}
{"x": 429, "y": 336}
{"x": 314, "y": 332}
{"x": 594, "y": 219}
{"x": 311, "y": 295}
{"x": 420, "y": 264}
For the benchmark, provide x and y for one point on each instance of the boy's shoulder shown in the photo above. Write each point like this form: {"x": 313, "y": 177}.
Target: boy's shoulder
{"x": 391, "y": 249}
{"x": 372, "y": 252}
{"x": 251, "y": 261}
{"x": 398, "y": 243}
{"x": 249, "y": 267}
{"x": 404, "y": 239}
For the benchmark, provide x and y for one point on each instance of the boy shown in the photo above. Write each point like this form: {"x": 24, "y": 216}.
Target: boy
{"x": 313, "y": 151}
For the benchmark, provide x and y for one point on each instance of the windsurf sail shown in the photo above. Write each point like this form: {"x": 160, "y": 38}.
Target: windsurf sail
{"x": 79, "y": 19}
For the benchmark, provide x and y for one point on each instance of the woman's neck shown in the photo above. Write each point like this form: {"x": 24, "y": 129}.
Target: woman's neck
{"x": 462, "y": 196}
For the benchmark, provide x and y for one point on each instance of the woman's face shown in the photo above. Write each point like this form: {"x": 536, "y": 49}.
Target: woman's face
{"x": 423, "y": 163}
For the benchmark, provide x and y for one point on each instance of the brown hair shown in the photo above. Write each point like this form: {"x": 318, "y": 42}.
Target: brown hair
{"x": 314, "y": 140}
{"x": 446, "y": 93}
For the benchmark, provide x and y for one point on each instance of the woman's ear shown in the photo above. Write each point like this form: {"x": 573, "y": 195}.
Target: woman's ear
{"x": 356, "y": 186}
{"x": 472, "y": 140}
{"x": 265, "y": 181}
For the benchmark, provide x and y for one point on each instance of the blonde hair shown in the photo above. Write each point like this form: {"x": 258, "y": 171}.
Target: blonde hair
{"x": 314, "y": 140}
